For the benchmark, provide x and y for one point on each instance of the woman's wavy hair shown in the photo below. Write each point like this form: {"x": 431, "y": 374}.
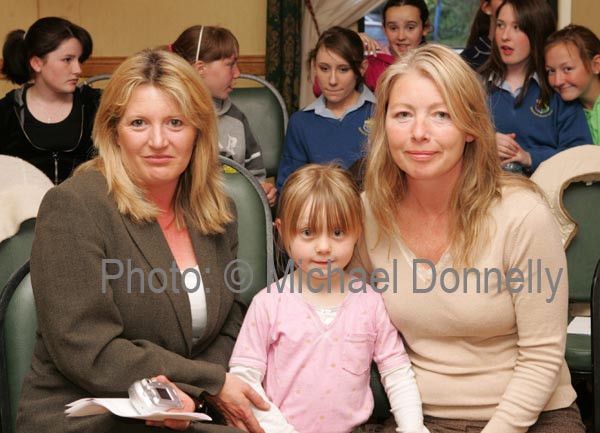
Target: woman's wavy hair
{"x": 536, "y": 19}
{"x": 481, "y": 178}
{"x": 200, "y": 200}
{"x": 43, "y": 37}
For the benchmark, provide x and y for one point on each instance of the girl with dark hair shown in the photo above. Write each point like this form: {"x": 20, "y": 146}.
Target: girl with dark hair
{"x": 335, "y": 126}
{"x": 213, "y": 52}
{"x": 479, "y": 43}
{"x": 532, "y": 123}
{"x": 48, "y": 121}
{"x": 405, "y": 23}
{"x": 573, "y": 65}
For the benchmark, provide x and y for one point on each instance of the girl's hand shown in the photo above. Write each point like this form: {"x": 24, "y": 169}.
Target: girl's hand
{"x": 188, "y": 406}
{"x": 371, "y": 45}
{"x": 234, "y": 402}
{"x": 510, "y": 151}
{"x": 507, "y": 146}
{"x": 271, "y": 192}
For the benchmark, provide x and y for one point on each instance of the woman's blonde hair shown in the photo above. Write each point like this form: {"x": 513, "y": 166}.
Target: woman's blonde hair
{"x": 481, "y": 178}
{"x": 333, "y": 197}
{"x": 199, "y": 199}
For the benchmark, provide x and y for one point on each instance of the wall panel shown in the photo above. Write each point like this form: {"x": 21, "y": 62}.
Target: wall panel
{"x": 586, "y": 13}
{"x": 121, "y": 27}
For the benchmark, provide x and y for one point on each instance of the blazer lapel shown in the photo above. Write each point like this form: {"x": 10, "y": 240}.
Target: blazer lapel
{"x": 151, "y": 242}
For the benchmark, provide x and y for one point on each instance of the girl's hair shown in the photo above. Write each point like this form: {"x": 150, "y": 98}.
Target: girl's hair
{"x": 333, "y": 198}
{"x": 346, "y": 44}
{"x": 419, "y": 4}
{"x": 205, "y": 43}
{"x": 199, "y": 198}
{"x": 536, "y": 19}
{"x": 481, "y": 178}
{"x": 479, "y": 27}
{"x": 43, "y": 37}
{"x": 586, "y": 42}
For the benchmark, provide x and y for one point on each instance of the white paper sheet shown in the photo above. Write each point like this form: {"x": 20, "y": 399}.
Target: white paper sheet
{"x": 122, "y": 407}
{"x": 580, "y": 325}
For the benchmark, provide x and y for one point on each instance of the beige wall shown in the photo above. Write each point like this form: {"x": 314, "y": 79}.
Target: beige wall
{"x": 121, "y": 27}
{"x": 586, "y": 13}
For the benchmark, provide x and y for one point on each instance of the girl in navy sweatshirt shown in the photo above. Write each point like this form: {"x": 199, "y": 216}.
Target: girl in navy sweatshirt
{"x": 532, "y": 123}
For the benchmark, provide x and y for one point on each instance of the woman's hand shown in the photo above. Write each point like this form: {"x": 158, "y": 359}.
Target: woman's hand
{"x": 234, "y": 402}
{"x": 510, "y": 151}
{"x": 188, "y": 406}
{"x": 371, "y": 45}
{"x": 271, "y": 192}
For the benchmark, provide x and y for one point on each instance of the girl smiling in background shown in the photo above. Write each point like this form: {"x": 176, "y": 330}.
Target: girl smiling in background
{"x": 405, "y": 24}
{"x": 573, "y": 65}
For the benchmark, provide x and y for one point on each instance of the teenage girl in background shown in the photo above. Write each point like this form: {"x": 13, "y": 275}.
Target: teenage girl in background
{"x": 335, "y": 126}
{"x": 308, "y": 340}
{"x": 573, "y": 65}
{"x": 532, "y": 122}
{"x": 214, "y": 53}
{"x": 405, "y": 23}
{"x": 48, "y": 121}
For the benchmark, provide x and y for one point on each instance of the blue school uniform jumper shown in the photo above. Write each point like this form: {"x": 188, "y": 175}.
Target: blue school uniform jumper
{"x": 315, "y": 135}
{"x": 541, "y": 131}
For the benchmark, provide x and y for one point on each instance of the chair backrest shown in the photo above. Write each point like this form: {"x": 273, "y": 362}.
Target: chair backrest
{"x": 22, "y": 189}
{"x": 94, "y": 80}
{"x": 267, "y": 114}
{"x": 18, "y": 325}
{"x": 255, "y": 231}
{"x": 582, "y": 201}
{"x": 15, "y": 250}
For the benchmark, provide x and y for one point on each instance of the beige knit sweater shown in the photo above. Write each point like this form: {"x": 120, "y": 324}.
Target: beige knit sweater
{"x": 497, "y": 355}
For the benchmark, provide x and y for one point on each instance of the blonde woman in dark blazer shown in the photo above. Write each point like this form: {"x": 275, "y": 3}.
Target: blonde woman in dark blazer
{"x": 150, "y": 205}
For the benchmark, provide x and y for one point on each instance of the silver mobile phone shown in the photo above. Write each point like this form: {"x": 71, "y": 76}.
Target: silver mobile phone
{"x": 148, "y": 396}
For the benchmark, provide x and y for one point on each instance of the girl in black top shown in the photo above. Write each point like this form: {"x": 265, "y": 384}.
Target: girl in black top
{"x": 48, "y": 121}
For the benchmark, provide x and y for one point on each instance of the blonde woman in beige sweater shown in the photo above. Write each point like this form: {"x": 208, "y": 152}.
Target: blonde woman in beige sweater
{"x": 469, "y": 258}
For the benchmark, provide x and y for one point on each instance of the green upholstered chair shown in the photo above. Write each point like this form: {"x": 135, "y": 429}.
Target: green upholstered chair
{"x": 582, "y": 202}
{"x": 15, "y": 250}
{"x": 571, "y": 182}
{"x": 18, "y": 324}
{"x": 255, "y": 230}
{"x": 267, "y": 114}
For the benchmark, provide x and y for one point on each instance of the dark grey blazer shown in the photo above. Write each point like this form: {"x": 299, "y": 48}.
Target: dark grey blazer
{"x": 95, "y": 341}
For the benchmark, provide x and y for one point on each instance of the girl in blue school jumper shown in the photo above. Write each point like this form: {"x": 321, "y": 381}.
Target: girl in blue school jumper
{"x": 532, "y": 122}
{"x": 335, "y": 126}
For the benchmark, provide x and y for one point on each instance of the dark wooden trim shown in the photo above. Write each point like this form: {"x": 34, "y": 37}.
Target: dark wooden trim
{"x": 101, "y": 65}
{"x": 252, "y": 64}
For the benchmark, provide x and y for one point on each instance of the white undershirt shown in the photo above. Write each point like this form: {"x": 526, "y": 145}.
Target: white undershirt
{"x": 326, "y": 314}
{"x": 192, "y": 281}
